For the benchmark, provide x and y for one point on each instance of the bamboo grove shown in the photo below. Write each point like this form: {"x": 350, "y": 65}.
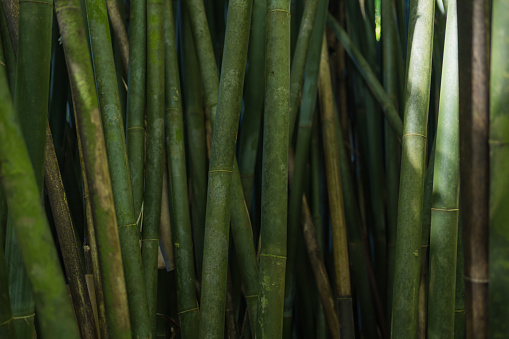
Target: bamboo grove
{"x": 254, "y": 169}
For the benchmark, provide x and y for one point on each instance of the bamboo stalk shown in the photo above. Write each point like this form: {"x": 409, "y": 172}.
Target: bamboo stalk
{"x": 253, "y": 97}
{"x": 175, "y": 148}
{"x": 499, "y": 185}
{"x": 136, "y": 98}
{"x": 409, "y": 228}
{"x": 155, "y": 152}
{"x": 117, "y": 23}
{"x": 196, "y": 143}
{"x": 390, "y": 71}
{"x": 8, "y": 59}
{"x": 55, "y": 316}
{"x": 309, "y": 95}
{"x": 11, "y": 10}
{"x": 215, "y": 258}
{"x": 67, "y": 241}
{"x": 369, "y": 76}
{"x": 335, "y": 193}
{"x": 114, "y": 137}
{"x": 459, "y": 300}
{"x": 445, "y": 209}
{"x": 473, "y": 53}
{"x": 96, "y": 166}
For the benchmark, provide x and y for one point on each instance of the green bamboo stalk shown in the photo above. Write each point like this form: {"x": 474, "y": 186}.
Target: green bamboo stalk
{"x": 114, "y": 137}
{"x": 445, "y": 209}
{"x": 11, "y": 10}
{"x": 9, "y": 59}
{"x": 7, "y": 329}
{"x": 299, "y": 59}
{"x": 335, "y": 193}
{"x": 55, "y": 316}
{"x": 309, "y": 95}
{"x": 136, "y": 101}
{"x": 241, "y": 226}
{"x": 409, "y": 228}
{"x": 117, "y": 24}
{"x": 67, "y": 240}
{"x": 402, "y": 23}
{"x": 196, "y": 143}
{"x": 155, "y": 152}
{"x": 253, "y": 98}
{"x": 369, "y": 76}
{"x": 374, "y": 163}
{"x": 390, "y": 80}
{"x": 473, "y": 54}
{"x": 499, "y": 151}
{"x": 31, "y": 103}
{"x": 274, "y": 171}
{"x": 175, "y": 148}
{"x": 215, "y": 258}
{"x": 96, "y": 167}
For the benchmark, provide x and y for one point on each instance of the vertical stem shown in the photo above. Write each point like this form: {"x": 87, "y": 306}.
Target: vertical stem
{"x": 473, "y": 52}
{"x": 274, "y": 171}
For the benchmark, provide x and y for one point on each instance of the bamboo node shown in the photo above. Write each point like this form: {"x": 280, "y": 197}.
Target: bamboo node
{"x": 189, "y": 310}
{"x": 476, "y": 280}
{"x": 445, "y": 209}
{"x": 149, "y": 239}
{"x": 252, "y": 296}
{"x": 220, "y": 170}
{"x": 416, "y": 134}
{"x": 135, "y": 127}
{"x": 126, "y": 225}
{"x": 278, "y": 10}
{"x": 273, "y": 256}
{"x": 495, "y": 142}
{"x": 26, "y": 317}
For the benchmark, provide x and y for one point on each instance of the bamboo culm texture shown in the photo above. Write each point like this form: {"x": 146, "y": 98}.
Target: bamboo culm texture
{"x": 445, "y": 205}
{"x": 96, "y": 166}
{"x": 274, "y": 171}
{"x": 408, "y": 237}
{"x": 215, "y": 249}
{"x": 32, "y": 230}
{"x": 109, "y": 104}
{"x": 155, "y": 152}
{"x": 180, "y": 218}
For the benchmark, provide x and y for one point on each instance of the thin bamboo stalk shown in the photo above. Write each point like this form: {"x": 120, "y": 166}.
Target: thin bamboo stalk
{"x": 409, "y": 228}
{"x": 11, "y": 10}
{"x": 96, "y": 166}
{"x": 309, "y": 96}
{"x": 7, "y": 329}
{"x": 55, "y": 316}
{"x": 215, "y": 258}
{"x": 136, "y": 98}
{"x": 445, "y": 208}
{"x": 459, "y": 300}
{"x": 253, "y": 98}
{"x": 274, "y": 171}
{"x": 474, "y": 60}
{"x": 335, "y": 193}
{"x": 175, "y": 148}
{"x": 391, "y": 83}
{"x": 67, "y": 240}
{"x": 117, "y": 23}
{"x": 196, "y": 143}
{"x": 499, "y": 185}
{"x": 241, "y": 226}
{"x": 109, "y": 104}
{"x": 8, "y": 59}
{"x": 155, "y": 152}
{"x": 369, "y": 76}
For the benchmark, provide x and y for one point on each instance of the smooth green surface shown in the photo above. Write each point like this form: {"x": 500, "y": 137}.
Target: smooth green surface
{"x": 215, "y": 251}
{"x": 274, "y": 171}
{"x": 408, "y": 238}
{"x": 136, "y": 101}
{"x": 445, "y": 205}
{"x": 109, "y": 104}
{"x": 96, "y": 166}
{"x": 40, "y": 258}
{"x": 499, "y": 182}
{"x": 155, "y": 152}
{"x": 180, "y": 218}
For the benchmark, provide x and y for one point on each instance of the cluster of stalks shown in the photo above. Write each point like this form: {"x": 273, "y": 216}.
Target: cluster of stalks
{"x": 254, "y": 169}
